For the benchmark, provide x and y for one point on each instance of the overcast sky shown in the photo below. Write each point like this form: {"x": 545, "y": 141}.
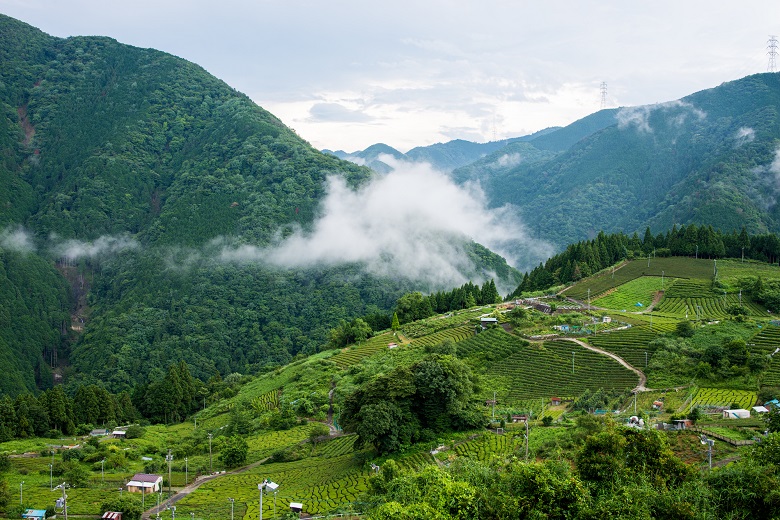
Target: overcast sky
{"x": 348, "y": 74}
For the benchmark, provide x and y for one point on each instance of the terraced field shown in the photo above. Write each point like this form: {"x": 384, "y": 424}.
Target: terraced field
{"x": 487, "y": 446}
{"x": 720, "y": 397}
{"x": 356, "y": 353}
{"x": 765, "y": 343}
{"x": 541, "y": 370}
{"x": 455, "y": 334}
{"x": 321, "y": 484}
{"x": 630, "y": 344}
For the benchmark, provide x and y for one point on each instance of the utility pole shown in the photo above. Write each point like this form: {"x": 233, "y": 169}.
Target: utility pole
{"x": 210, "y": 470}
{"x": 169, "y": 459}
{"x": 572, "y": 362}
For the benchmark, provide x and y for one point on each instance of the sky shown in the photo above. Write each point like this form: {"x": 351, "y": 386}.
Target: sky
{"x": 346, "y": 74}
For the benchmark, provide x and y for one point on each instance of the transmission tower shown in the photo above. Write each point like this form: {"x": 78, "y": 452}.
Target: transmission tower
{"x": 603, "y": 95}
{"x": 771, "y": 46}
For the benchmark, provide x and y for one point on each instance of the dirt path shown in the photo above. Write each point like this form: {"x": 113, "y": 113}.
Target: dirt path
{"x": 642, "y": 377}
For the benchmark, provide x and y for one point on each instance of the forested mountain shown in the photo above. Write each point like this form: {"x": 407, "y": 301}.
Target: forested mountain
{"x": 156, "y": 182}
{"x": 707, "y": 159}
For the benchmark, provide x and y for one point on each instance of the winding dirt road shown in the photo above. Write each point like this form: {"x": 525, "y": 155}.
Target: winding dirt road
{"x": 642, "y": 377}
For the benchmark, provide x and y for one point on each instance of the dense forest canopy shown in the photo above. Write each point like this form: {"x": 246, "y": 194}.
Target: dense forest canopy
{"x": 144, "y": 179}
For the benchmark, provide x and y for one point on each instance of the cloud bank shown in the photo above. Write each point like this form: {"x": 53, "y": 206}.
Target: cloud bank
{"x": 412, "y": 223}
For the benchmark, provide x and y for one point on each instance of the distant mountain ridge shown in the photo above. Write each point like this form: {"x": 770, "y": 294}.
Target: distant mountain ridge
{"x": 707, "y": 159}
{"x": 442, "y": 156}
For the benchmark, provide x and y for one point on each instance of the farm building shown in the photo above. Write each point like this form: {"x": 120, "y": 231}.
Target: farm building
{"x": 562, "y": 328}
{"x": 657, "y": 405}
{"x": 99, "y": 432}
{"x": 487, "y": 322}
{"x": 760, "y": 409}
{"x": 144, "y": 483}
{"x": 606, "y": 319}
{"x": 736, "y": 414}
{"x": 773, "y": 402}
{"x": 112, "y": 515}
{"x": 682, "y": 424}
{"x": 119, "y": 434}
{"x": 34, "y": 514}
{"x": 555, "y": 401}
{"x": 519, "y": 418}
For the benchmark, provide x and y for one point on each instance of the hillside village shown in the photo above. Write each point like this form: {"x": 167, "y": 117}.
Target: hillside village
{"x": 544, "y": 362}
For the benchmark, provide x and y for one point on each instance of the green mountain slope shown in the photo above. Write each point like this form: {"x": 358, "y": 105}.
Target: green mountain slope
{"x": 706, "y": 159}
{"x": 157, "y": 171}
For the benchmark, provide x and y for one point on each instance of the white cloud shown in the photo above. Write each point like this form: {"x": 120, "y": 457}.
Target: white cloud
{"x": 73, "y": 249}
{"x": 640, "y": 116}
{"x": 412, "y": 223}
{"x": 744, "y": 135}
{"x": 16, "y": 238}
{"x": 508, "y": 160}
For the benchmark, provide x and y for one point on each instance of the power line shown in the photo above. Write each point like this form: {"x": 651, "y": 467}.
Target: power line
{"x": 771, "y": 46}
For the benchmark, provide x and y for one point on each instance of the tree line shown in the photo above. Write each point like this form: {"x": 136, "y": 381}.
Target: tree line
{"x": 586, "y": 257}
{"x": 416, "y": 306}
{"x": 54, "y": 412}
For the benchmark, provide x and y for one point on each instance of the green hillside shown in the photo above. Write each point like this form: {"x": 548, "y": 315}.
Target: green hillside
{"x": 704, "y": 160}
{"x": 155, "y": 169}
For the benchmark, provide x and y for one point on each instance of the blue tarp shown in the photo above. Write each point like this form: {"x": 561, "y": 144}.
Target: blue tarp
{"x": 638, "y": 304}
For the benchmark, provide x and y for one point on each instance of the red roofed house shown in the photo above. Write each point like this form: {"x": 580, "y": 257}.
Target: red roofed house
{"x": 144, "y": 483}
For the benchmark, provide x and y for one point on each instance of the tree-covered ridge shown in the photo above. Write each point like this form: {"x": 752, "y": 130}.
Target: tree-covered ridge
{"x": 587, "y": 257}
{"x": 102, "y": 139}
{"x": 121, "y": 139}
{"x": 702, "y": 160}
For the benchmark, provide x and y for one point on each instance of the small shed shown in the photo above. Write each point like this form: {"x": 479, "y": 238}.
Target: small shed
{"x": 555, "y": 401}
{"x": 519, "y": 418}
{"x": 739, "y": 413}
{"x": 102, "y": 432}
{"x": 487, "y": 322}
{"x": 119, "y": 434}
{"x": 296, "y": 507}
{"x": 760, "y": 409}
{"x": 35, "y": 514}
{"x": 144, "y": 483}
{"x": 682, "y": 424}
{"x": 657, "y": 405}
{"x": 606, "y": 319}
{"x": 392, "y": 345}
{"x": 112, "y": 515}
{"x": 773, "y": 402}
